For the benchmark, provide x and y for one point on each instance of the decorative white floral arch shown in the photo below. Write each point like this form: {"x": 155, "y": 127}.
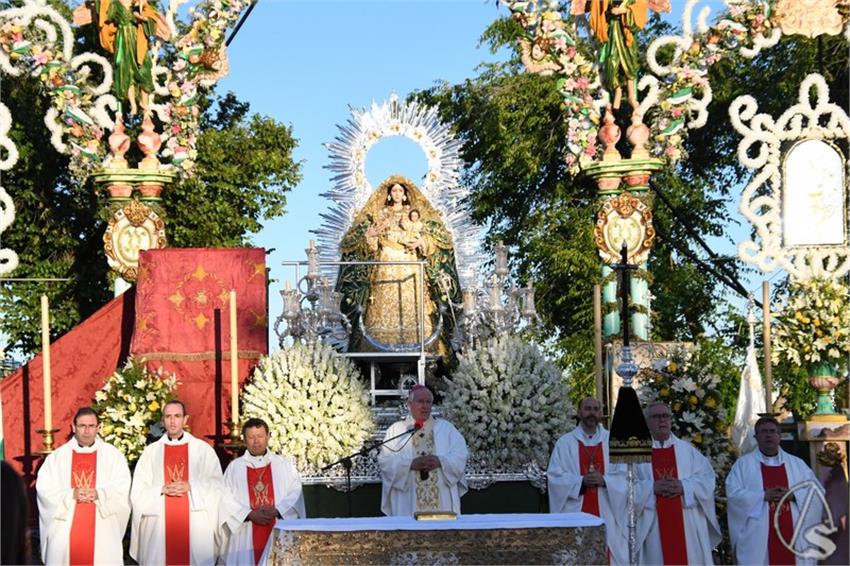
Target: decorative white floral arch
{"x": 352, "y": 188}
{"x": 762, "y": 199}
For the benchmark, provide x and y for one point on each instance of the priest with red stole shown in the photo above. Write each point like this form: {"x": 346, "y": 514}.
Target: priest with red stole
{"x": 265, "y": 487}
{"x": 177, "y": 488}
{"x": 83, "y": 492}
{"x": 677, "y": 521}
{"x": 578, "y": 479}
{"x": 763, "y": 515}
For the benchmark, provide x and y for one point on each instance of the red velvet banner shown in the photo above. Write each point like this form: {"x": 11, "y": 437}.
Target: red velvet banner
{"x": 182, "y": 324}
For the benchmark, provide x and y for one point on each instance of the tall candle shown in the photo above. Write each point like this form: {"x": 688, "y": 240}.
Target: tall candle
{"x": 45, "y": 358}
{"x": 234, "y": 362}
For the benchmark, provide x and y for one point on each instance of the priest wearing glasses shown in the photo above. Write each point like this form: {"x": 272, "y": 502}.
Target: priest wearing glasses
{"x": 677, "y": 520}
{"x": 422, "y": 471}
{"x": 83, "y": 493}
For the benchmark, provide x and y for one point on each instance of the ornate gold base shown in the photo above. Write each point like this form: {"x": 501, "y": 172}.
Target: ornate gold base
{"x": 233, "y": 441}
{"x": 46, "y": 440}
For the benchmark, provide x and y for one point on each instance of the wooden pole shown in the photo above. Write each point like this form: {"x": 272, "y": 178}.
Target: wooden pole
{"x": 768, "y": 366}
{"x": 597, "y": 343}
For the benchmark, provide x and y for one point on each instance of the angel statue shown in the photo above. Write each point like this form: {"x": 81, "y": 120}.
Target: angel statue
{"x": 615, "y": 24}
{"x": 399, "y": 224}
{"x": 123, "y": 28}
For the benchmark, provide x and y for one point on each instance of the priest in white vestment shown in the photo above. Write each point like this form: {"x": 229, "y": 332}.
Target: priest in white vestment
{"x": 578, "y": 479}
{"x": 83, "y": 492}
{"x": 177, "y": 488}
{"x": 265, "y": 488}
{"x": 758, "y": 484}
{"x": 674, "y": 498}
{"x": 424, "y": 468}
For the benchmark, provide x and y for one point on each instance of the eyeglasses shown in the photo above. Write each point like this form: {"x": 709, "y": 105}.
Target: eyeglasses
{"x": 661, "y": 417}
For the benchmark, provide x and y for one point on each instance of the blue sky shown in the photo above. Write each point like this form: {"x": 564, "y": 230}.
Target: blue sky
{"x": 305, "y": 62}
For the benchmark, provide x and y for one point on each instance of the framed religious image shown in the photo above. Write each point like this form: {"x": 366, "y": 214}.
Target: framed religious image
{"x": 814, "y": 211}
{"x": 131, "y": 229}
{"x": 624, "y": 218}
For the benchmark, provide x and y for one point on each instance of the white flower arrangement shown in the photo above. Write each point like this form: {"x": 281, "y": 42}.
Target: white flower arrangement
{"x": 509, "y": 402}
{"x": 130, "y": 402}
{"x": 692, "y": 393}
{"x": 314, "y": 402}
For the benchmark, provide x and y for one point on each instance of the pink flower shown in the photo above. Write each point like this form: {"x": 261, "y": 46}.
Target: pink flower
{"x": 582, "y": 83}
{"x": 571, "y": 52}
{"x": 590, "y": 150}
{"x": 670, "y": 150}
{"x": 676, "y": 112}
{"x": 175, "y": 128}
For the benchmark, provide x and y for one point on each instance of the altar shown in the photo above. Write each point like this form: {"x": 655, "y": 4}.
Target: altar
{"x": 569, "y": 538}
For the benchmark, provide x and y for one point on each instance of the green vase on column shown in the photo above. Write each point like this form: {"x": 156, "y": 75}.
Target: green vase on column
{"x": 822, "y": 376}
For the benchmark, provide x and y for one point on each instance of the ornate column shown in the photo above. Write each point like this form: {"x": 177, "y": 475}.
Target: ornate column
{"x": 136, "y": 217}
{"x": 625, "y": 215}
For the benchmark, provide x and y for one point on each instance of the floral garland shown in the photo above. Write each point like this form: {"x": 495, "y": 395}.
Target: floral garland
{"x": 814, "y": 326}
{"x": 35, "y": 39}
{"x": 509, "y": 402}
{"x": 201, "y": 61}
{"x": 553, "y": 45}
{"x": 314, "y": 403}
{"x": 691, "y": 391}
{"x": 550, "y": 46}
{"x": 130, "y": 402}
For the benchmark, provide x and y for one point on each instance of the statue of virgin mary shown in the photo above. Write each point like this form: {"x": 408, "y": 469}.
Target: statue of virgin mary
{"x": 399, "y": 224}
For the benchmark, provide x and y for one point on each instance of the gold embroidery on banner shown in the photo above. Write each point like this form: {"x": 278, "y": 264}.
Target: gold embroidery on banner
{"x": 261, "y": 490}
{"x": 175, "y": 472}
{"x": 83, "y": 478}
{"x": 666, "y": 473}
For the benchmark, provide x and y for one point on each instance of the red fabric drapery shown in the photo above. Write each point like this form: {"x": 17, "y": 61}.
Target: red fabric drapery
{"x": 182, "y": 324}
{"x": 81, "y": 361}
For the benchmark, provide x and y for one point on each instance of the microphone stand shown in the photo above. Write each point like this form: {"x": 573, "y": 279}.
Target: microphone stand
{"x": 347, "y": 460}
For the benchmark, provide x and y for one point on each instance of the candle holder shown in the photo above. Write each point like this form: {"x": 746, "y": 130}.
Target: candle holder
{"x": 233, "y": 441}
{"x": 46, "y": 440}
{"x": 499, "y": 306}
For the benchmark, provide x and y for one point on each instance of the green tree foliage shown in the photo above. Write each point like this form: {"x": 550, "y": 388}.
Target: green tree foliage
{"x": 244, "y": 169}
{"x": 513, "y": 132}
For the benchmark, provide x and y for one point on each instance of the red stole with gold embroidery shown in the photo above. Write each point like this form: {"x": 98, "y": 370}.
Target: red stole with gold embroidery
{"x": 175, "y": 462}
{"x": 261, "y": 492}
{"x": 590, "y": 457}
{"x": 778, "y": 553}
{"x": 83, "y": 474}
{"x": 671, "y": 518}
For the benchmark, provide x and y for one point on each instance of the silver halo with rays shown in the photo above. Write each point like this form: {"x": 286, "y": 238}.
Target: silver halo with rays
{"x": 352, "y": 189}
